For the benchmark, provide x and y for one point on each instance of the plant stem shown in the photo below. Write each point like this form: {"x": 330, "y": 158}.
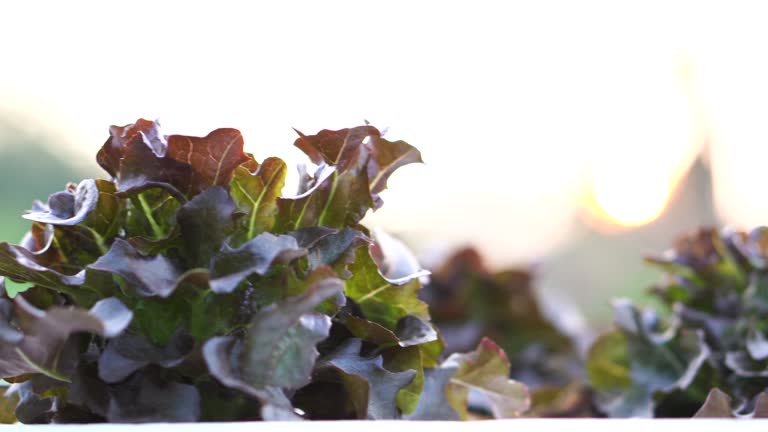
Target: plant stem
{"x": 673, "y": 360}
{"x": 45, "y": 371}
{"x": 99, "y": 241}
{"x": 331, "y": 196}
{"x": 147, "y": 211}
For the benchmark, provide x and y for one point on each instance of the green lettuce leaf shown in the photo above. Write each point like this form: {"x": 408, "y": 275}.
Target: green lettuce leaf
{"x": 255, "y": 189}
{"x": 380, "y": 300}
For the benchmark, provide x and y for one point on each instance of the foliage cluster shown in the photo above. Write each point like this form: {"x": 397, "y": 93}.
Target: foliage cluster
{"x": 708, "y": 343}
{"x": 187, "y": 288}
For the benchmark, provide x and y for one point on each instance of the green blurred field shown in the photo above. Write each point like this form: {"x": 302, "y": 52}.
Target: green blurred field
{"x": 28, "y": 171}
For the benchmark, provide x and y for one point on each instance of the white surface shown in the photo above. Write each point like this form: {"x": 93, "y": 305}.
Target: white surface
{"x": 520, "y": 425}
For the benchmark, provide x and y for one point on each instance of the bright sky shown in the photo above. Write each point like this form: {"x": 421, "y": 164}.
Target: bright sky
{"x": 518, "y": 107}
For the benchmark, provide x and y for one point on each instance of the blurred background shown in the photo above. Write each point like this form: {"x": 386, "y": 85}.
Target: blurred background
{"x": 569, "y": 137}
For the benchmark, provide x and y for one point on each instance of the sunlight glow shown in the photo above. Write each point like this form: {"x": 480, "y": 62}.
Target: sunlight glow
{"x": 628, "y": 199}
{"x": 640, "y": 153}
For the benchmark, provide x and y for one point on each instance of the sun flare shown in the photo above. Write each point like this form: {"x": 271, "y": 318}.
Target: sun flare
{"x": 628, "y": 199}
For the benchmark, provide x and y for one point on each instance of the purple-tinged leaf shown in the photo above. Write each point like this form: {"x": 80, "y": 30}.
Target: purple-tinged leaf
{"x": 38, "y": 240}
{"x": 88, "y": 391}
{"x": 93, "y": 204}
{"x": 20, "y": 264}
{"x": 213, "y": 158}
{"x": 129, "y": 353}
{"x": 113, "y": 150}
{"x": 113, "y": 315}
{"x": 308, "y": 237}
{"x": 147, "y": 398}
{"x": 140, "y": 157}
{"x": 144, "y": 166}
{"x": 433, "y": 403}
{"x": 65, "y": 208}
{"x": 412, "y": 331}
{"x": 33, "y": 408}
{"x": 230, "y": 266}
{"x": 386, "y": 158}
{"x": 45, "y": 334}
{"x": 337, "y": 251}
{"x": 206, "y": 222}
{"x": 382, "y": 385}
{"x": 341, "y": 148}
{"x": 107, "y": 318}
{"x": 147, "y": 276}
